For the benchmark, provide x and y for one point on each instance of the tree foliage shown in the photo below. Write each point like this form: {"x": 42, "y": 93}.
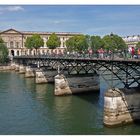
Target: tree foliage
{"x": 88, "y": 40}
{"x": 138, "y": 45}
{"x": 114, "y": 42}
{"x": 70, "y": 43}
{"x": 29, "y": 43}
{"x": 35, "y": 41}
{"x": 1, "y": 40}
{"x": 96, "y": 42}
{"x": 53, "y": 41}
{"x": 77, "y": 43}
{"x": 3, "y": 51}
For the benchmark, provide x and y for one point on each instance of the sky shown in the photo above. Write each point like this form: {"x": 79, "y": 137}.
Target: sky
{"x": 101, "y": 20}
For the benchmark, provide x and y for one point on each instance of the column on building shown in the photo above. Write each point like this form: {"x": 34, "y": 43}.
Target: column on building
{"x": 61, "y": 39}
{"x": 45, "y": 40}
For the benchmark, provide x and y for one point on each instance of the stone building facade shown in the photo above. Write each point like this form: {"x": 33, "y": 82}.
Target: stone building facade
{"x": 131, "y": 41}
{"x": 15, "y": 42}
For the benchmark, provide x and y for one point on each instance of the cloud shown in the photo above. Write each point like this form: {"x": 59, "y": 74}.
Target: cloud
{"x": 10, "y": 9}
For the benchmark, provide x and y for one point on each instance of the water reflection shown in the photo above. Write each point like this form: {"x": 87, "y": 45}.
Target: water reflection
{"x": 62, "y": 104}
{"x": 41, "y": 91}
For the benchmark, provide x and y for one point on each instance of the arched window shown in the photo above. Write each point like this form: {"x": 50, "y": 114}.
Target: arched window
{"x": 12, "y": 52}
{"x": 17, "y": 44}
{"x": 43, "y": 52}
{"x": 34, "y": 52}
{"x": 11, "y": 44}
{"x": 17, "y": 53}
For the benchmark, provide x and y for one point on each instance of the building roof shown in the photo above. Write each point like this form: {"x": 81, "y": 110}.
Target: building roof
{"x": 39, "y": 32}
{"x": 134, "y": 38}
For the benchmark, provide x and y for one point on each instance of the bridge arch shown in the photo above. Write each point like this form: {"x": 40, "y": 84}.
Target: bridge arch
{"x": 126, "y": 71}
{"x": 12, "y": 52}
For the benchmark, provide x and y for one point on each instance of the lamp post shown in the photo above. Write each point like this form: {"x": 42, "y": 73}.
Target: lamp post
{"x": 112, "y": 57}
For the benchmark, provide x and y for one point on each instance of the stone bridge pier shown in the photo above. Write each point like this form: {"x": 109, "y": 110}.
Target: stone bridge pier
{"x": 45, "y": 76}
{"x": 22, "y": 69}
{"x": 16, "y": 67}
{"x": 121, "y": 106}
{"x": 79, "y": 84}
{"x": 29, "y": 72}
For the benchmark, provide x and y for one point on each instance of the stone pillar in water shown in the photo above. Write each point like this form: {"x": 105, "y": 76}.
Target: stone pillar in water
{"x": 29, "y": 72}
{"x": 22, "y": 69}
{"x": 116, "y": 110}
{"x": 13, "y": 66}
{"x": 61, "y": 85}
{"x": 73, "y": 85}
{"x": 40, "y": 77}
{"x": 16, "y": 67}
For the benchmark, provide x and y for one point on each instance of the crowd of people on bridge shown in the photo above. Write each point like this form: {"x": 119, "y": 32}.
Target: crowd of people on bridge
{"x": 131, "y": 53}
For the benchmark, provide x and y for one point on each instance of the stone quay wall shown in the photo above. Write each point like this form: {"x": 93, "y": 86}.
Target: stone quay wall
{"x": 7, "y": 68}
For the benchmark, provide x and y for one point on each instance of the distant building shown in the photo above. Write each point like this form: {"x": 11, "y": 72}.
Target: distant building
{"x": 15, "y": 41}
{"x": 131, "y": 41}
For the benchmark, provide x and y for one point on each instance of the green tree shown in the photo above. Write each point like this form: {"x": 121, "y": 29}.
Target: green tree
{"x": 53, "y": 41}
{"x": 138, "y": 45}
{"x": 29, "y": 43}
{"x": 35, "y": 41}
{"x": 77, "y": 43}
{"x": 96, "y": 43}
{"x": 1, "y": 40}
{"x": 3, "y": 52}
{"x": 88, "y": 40}
{"x": 114, "y": 43}
{"x": 70, "y": 44}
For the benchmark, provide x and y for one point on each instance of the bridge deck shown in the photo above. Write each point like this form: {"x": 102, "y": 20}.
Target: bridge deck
{"x": 120, "y": 68}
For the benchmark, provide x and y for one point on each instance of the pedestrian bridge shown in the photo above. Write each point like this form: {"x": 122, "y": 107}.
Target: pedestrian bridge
{"x": 127, "y": 71}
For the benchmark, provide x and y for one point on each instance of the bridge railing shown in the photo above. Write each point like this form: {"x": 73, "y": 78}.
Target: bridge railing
{"x": 106, "y": 56}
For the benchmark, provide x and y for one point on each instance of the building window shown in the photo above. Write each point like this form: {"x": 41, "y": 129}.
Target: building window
{"x": 11, "y": 44}
{"x": 43, "y": 52}
{"x": 17, "y": 53}
{"x": 64, "y": 44}
{"x": 17, "y": 44}
{"x": 47, "y": 51}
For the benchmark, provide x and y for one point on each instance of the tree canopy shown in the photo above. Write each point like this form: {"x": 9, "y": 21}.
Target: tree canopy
{"x": 96, "y": 43}
{"x": 29, "y": 43}
{"x": 1, "y": 40}
{"x": 114, "y": 42}
{"x": 138, "y": 45}
{"x": 35, "y": 41}
{"x": 3, "y": 51}
{"x": 77, "y": 43}
{"x": 53, "y": 41}
{"x": 88, "y": 40}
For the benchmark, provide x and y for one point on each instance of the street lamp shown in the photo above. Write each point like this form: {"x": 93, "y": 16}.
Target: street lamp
{"x": 111, "y": 35}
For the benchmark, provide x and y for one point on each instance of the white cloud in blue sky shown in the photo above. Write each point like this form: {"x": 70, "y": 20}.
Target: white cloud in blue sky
{"x": 87, "y": 19}
{"x": 4, "y": 9}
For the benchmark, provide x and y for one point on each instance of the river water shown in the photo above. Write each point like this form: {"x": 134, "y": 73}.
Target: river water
{"x": 30, "y": 109}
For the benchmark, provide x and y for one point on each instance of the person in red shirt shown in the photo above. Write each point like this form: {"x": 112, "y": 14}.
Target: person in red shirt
{"x": 132, "y": 52}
